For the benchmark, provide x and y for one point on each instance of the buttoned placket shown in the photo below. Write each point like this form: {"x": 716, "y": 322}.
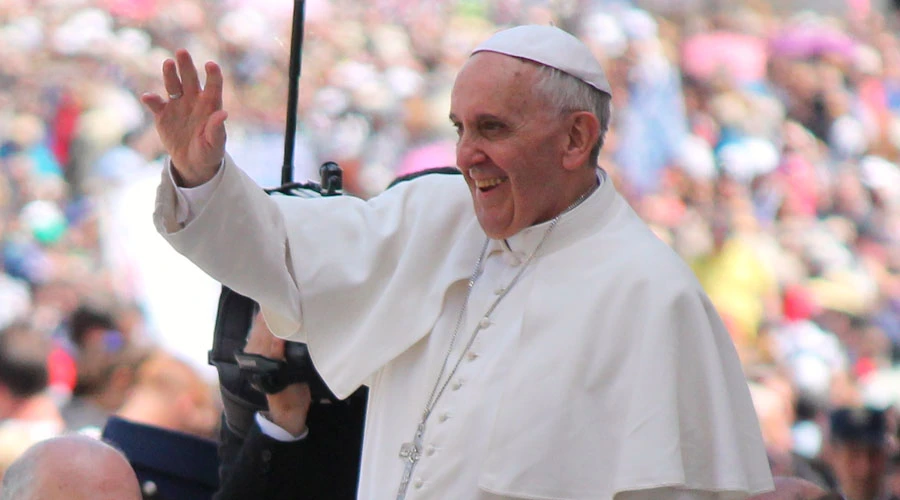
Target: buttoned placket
{"x": 500, "y": 267}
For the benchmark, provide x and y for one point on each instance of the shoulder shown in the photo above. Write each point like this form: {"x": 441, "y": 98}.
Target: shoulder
{"x": 641, "y": 259}
{"x": 426, "y": 201}
{"x": 440, "y": 183}
{"x": 434, "y": 195}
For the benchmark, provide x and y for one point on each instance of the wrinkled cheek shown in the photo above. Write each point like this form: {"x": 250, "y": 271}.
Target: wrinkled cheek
{"x": 495, "y": 219}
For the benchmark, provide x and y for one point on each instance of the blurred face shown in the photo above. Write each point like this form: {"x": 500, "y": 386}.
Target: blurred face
{"x": 511, "y": 146}
{"x": 859, "y": 469}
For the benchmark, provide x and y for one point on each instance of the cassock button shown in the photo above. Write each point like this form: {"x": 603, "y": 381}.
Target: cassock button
{"x": 472, "y": 355}
{"x": 444, "y": 417}
{"x": 418, "y": 483}
{"x": 430, "y": 450}
{"x": 499, "y": 291}
{"x": 512, "y": 260}
{"x": 484, "y": 323}
{"x": 456, "y": 385}
{"x": 149, "y": 488}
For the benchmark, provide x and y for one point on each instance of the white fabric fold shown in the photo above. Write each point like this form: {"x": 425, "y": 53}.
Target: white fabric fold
{"x": 622, "y": 377}
{"x": 191, "y": 201}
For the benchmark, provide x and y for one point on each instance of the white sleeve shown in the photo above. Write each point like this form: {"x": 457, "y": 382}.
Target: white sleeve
{"x": 676, "y": 494}
{"x": 190, "y": 201}
{"x": 358, "y": 262}
{"x": 275, "y": 432}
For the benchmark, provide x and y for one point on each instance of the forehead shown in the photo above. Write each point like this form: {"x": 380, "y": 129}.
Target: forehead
{"x": 493, "y": 83}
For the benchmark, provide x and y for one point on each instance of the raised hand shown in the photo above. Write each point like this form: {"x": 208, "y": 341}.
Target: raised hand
{"x": 191, "y": 122}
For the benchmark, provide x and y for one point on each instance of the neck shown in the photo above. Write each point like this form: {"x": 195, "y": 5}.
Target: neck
{"x": 582, "y": 192}
{"x": 109, "y": 400}
{"x": 149, "y": 409}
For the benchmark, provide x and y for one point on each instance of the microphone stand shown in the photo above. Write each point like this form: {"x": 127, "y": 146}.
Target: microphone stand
{"x": 330, "y": 173}
{"x": 290, "y": 132}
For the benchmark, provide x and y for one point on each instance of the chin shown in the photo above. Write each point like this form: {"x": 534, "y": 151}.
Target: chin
{"x": 494, "y": 227}
{"x": 496, "y": 232}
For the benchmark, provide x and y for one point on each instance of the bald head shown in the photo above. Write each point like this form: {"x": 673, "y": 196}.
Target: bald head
{"x": 70, "y": 468}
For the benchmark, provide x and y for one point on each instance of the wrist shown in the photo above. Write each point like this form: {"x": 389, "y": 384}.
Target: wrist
{"x": 188, "y": 179}
{"x": 294, "y": 424}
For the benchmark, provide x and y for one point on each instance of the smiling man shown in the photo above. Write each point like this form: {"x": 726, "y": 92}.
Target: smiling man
{"x": 510, "y": 131}
{"x": 522, "y": 332}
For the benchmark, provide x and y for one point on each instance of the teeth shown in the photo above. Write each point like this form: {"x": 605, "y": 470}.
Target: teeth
{"x": 489, "y": 183}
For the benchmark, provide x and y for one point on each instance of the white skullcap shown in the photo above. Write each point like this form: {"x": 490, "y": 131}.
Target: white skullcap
{"x": 552, "y": 47}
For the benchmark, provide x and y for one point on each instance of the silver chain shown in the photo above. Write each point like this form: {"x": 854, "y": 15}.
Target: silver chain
{"x": 411, "y": 451}
{"x": 438, "y": 390}
{"x": 432, "y": 399}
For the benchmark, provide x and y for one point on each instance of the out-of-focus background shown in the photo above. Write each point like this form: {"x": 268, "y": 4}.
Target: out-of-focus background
{"x": 759, "y": 139}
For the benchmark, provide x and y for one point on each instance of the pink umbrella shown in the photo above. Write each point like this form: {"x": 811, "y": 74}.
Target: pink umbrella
{"x": 138, "y": 10}
{"x": 435, "y": 154}
{"x": 741, "y": 57}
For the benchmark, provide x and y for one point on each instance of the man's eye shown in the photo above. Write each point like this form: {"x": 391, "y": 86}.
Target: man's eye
{"x": 494, "y": 129}
{"x": 459, "y": 129}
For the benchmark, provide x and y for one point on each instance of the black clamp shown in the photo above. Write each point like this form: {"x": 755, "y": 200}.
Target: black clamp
{"x": 267, "y": 375}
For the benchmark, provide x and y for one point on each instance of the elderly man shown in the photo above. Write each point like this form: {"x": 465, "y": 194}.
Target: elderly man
{"x": 73, "y": 467}
{"x": 522, "y": 332}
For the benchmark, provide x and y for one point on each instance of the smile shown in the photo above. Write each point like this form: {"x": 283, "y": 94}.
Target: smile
{"x": 487, "y": 184}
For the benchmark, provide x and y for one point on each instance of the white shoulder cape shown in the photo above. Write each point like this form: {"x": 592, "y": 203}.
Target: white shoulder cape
{"x": 625, "y": 377}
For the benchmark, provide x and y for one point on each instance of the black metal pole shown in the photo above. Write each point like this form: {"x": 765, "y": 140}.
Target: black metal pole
{"x": 290, "y": 132}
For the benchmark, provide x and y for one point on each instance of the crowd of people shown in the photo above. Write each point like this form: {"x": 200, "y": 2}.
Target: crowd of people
{"x": 761, "y": 144}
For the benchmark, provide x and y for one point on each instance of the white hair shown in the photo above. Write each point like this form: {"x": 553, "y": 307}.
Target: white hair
{"x": 567, "y": 93}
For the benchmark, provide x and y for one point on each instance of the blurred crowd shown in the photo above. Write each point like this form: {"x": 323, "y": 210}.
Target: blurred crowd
{"x": 762, "y": 144}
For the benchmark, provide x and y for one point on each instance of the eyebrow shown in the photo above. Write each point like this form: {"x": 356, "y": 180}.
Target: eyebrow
{"x": 479, "y": 117}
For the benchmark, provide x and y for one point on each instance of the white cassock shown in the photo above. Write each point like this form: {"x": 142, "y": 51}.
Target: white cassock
{"x": 604, "y": 370}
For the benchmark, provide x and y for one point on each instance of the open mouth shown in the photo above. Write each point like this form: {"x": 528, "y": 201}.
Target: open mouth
{"x": 488, "y": 184}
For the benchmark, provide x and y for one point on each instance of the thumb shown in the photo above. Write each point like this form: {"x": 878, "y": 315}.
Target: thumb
{"x": 153, "y": 102}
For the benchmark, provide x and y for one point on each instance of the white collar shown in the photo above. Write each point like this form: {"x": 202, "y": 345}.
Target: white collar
{"x": 581, "y": 220}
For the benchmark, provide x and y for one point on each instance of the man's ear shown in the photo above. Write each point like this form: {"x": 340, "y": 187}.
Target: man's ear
{"x": 583, "y": 132}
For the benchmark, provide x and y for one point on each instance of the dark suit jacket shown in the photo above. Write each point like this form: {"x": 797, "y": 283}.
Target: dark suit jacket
{"x": 169, "y": 465}
{"x": 323, "y": 466}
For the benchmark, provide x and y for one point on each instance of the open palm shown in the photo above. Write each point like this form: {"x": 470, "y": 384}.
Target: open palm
{"x": 191, "y": 123}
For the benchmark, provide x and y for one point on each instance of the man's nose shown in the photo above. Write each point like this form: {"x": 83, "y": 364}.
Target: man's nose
{"x": 468, "y": 151}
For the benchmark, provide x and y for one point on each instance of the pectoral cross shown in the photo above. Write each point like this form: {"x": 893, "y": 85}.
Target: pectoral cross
{"x": 410, "y": 453}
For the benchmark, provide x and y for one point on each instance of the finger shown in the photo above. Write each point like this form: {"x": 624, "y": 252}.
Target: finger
{"x": 153, "y": 102}
{"x": 277, "y": 346}
{"x": 170, "y": 78}
{"x": 215, "y": 129}
{"x": 306, "y": 392}
{"x": 256, "y": 340}
{"x": 214, "y": 84}
{"x": 190, "y": 82}
{"x": 274, "y": 347}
